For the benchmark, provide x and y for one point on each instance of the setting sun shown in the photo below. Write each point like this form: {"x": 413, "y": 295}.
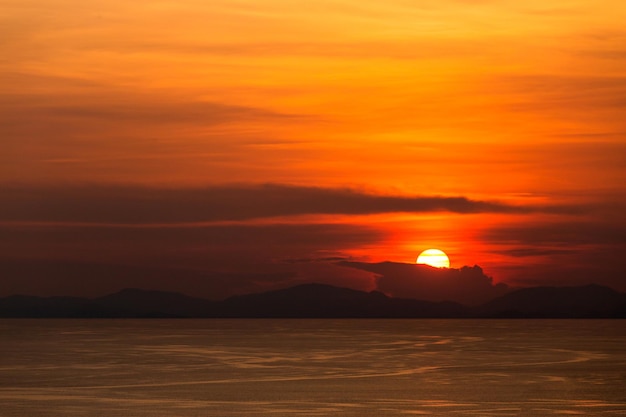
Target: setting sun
{"x": 434, "y": 257}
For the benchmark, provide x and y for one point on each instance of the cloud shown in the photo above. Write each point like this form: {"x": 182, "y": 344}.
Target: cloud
{"x": 468, "y": 285}
{"x": 616, "y": 54}
{"x": 564, "y": 235}
{"x": 79, "y": 278}
{"x": 86, "y": 106}
{"x": 318, "y": 259}
{"x": 228, "y": 246}
{"x": 575, "y": 252}
{"x": 567, "y": 96}
{"x": 406, "y": 49}
{"x": 213, "y": 261}
{"x": 582, "y": 267}
{"x": 537, "y": 251}
{"x": 141, "y": 205}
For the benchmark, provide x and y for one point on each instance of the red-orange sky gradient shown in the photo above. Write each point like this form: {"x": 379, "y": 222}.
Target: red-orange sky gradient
{"x": 220, "y": 147}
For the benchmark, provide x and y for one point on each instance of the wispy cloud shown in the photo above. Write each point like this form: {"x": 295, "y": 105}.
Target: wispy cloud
{"x": 142, "y": 205}
{"x": 120, "y": 109}
{"x": 591, "y": 98}
{"x": 561, "y": 234}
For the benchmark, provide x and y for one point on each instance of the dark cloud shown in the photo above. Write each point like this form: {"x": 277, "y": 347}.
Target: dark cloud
{"x": 210, "y": 261}
{"x": 136, "y": 205}
{"x": 213, "y": 246}
{"x": 575, "y": 252}
{"x": 563, "y": 234}
{"x": 529, "y": 252}
{"x": 321, "y": 259}
{"x": 583, "y": 267}
{"x": 46, "y": 277}
{"x": 468, "y": 285}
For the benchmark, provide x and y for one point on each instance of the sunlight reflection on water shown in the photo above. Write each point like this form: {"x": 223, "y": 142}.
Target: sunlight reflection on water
{"x": 312, "y": 367}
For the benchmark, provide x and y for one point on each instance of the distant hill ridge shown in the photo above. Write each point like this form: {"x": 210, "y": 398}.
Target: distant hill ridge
{"x": 585, "y": 302}
{"x": 321, "y": 301}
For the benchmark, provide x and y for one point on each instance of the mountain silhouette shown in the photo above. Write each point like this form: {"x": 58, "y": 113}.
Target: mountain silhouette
{"x": 322, "y": 301}
{"x": 150, "y": 303}
{"x": 587, "y": 301}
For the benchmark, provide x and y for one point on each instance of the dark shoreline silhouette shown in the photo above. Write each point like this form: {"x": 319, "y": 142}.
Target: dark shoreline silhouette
{"x": 321, "y": 301}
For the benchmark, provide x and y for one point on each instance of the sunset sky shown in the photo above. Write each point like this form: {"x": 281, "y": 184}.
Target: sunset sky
{"x": 231, "y": 146}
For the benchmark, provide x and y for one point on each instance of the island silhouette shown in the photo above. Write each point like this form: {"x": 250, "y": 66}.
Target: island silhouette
{"x": 322, "y": 301}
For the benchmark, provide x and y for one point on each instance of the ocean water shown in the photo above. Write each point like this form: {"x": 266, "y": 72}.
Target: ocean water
{"x": 312, "y": 367}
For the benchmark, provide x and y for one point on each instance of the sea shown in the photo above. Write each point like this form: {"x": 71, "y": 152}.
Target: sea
{"x": 294, "y": 367}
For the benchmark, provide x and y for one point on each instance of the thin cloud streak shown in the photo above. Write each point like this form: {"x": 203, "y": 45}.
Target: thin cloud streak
{"x": 127, "y": 108}
{"x": 137, "y": 205}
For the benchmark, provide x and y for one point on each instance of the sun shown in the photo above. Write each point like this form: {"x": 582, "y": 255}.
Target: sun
{"x": 434, "y": 257}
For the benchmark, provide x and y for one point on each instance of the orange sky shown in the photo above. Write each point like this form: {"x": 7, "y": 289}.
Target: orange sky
{"x": 520, "y": 103}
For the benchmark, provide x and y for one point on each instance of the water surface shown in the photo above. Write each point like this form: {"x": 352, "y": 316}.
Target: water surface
{"x": 312, "y": 367}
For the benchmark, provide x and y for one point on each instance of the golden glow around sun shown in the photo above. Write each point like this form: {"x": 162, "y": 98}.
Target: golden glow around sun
{"x": 434, "y": 257}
